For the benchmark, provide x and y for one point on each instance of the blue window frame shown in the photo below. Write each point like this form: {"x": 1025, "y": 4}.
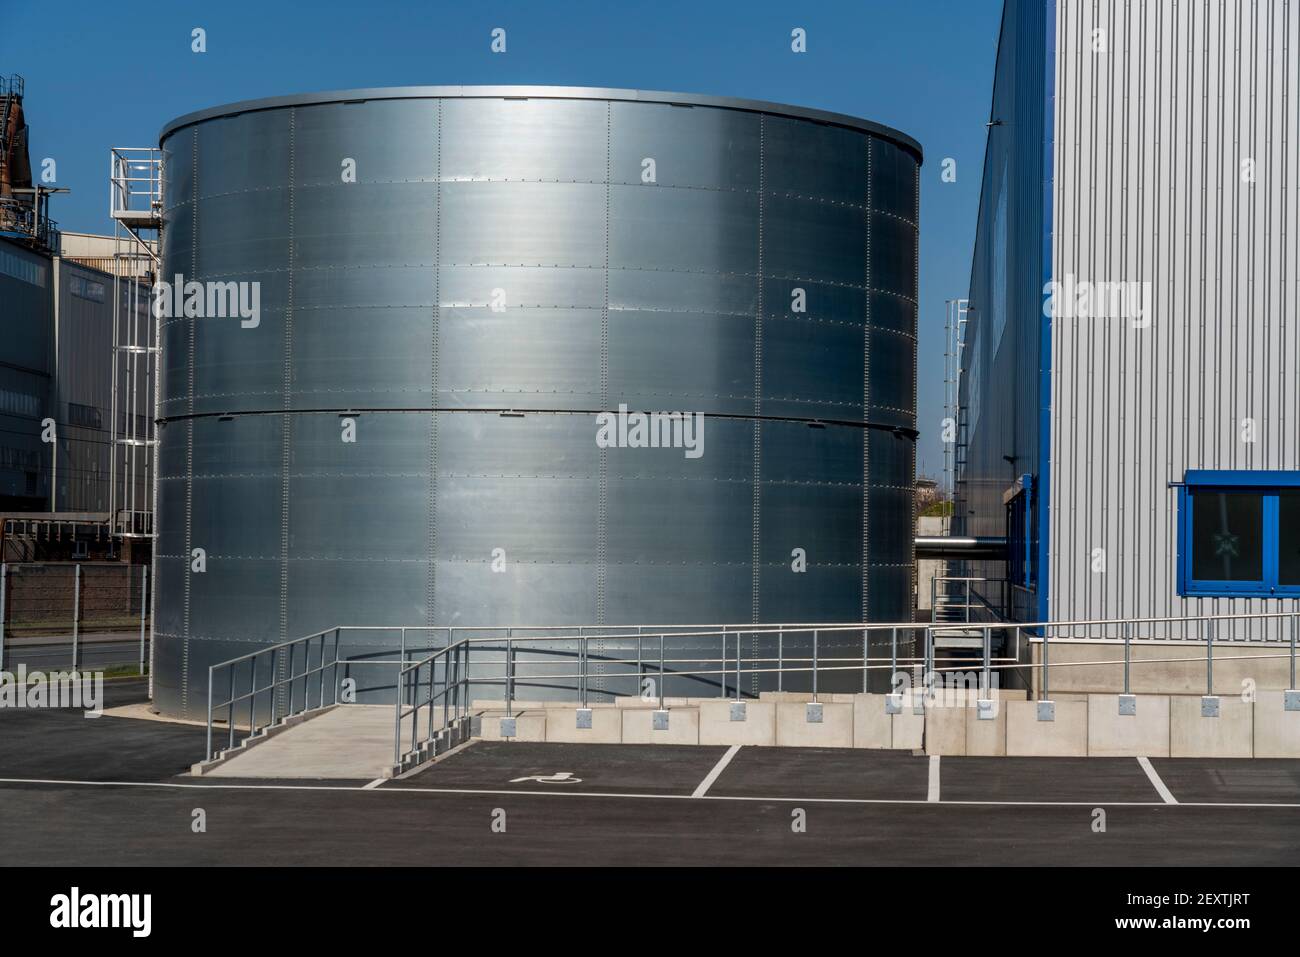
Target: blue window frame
{"x": 1239, "y": 534}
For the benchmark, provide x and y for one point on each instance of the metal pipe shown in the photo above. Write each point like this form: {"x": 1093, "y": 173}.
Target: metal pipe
{"x": 397, "y": 719}
{"x": 209, "y": 713}
{"x": 230, "y": 709}
{"x": 661, "y": 671}
{"x": 780, "y": 661}
{"x": 1209, "y": 657}
{"x": 737, "y": 667}
{"x": 1128, "y": 653}
{"x": 814, "y": 664}
{"x": 510, "y": 672}
{"x": 987, "y": 652}
{"x": 1047, "y": 632}
{"x": 864, "y": 660}
{"x": 1293, "y": 630}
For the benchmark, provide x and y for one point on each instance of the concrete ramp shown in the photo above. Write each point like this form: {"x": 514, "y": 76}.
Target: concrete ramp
{"x": 348, "y": 742}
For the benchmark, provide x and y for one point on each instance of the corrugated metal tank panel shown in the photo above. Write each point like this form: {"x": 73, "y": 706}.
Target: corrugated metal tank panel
{"x": 26, "y": 310}
{"x": 1150, "y": 138}
{"x": 376, "y": 297}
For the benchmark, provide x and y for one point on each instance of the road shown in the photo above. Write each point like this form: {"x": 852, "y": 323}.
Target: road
{"x": 106, "y": 791}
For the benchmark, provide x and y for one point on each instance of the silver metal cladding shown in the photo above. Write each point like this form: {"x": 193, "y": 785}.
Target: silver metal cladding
{"x": 456, "y": 292}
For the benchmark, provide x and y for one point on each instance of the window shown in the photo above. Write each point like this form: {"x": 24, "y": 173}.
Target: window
{"x": 1022, "y": 533}
{"x": 1239, "y": 534}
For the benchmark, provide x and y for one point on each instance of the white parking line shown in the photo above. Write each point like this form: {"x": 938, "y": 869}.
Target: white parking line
{"x": 374, "y": 784}
{"x": 1158, "y": 784}
{"x": 494, "y": 792}
{"x": 718, "y": 768}
{"x": 933, "y": 793}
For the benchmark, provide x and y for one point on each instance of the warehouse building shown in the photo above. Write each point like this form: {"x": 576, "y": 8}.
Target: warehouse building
{"x": 1130, "y": 419}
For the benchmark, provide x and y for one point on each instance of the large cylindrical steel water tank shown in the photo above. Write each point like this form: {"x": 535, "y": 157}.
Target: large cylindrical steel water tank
{"x": 465, "y": 278}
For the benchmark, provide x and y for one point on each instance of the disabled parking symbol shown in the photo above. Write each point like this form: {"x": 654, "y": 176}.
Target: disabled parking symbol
{"x": 559, "y": 777}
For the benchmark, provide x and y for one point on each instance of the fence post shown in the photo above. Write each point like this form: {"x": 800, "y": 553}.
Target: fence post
{"x": 144, "y": 592}
{"x": 76, "y": 615}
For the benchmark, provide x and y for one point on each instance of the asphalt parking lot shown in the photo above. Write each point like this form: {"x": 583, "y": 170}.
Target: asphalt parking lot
{"x": 112, "y": 791}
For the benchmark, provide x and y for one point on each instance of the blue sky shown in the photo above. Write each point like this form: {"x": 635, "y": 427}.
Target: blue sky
{"x": 101, "y": 75}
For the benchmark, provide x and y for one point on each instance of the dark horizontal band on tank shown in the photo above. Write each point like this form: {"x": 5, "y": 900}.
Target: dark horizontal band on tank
{"x": 547, "y": 93}
{"x": 810, "y": 422}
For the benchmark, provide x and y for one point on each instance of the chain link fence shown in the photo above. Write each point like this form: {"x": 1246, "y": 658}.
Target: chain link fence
{"x": 88, "y": 615}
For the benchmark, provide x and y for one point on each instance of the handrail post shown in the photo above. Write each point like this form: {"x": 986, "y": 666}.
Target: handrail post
{"x": 1128, "y": 652}
{"x": 864, "y": 661}
{"x": 893, "y": 654}
{"x": 661, "y": 671}
{"x": 640, "y": 668}
{"x": 275, "y": 686}
{"x": 966, "y": 610}
{"x": 584, "y": 660}
{"x": 210, "y": 667}
{"x": 230, "y": 708}
{"x": 737, "y": 667}
{"x": 722, "y": 662}
{"x": 1046, "y": 647}
{"x": 780, "y": 659}
{"x": 988, "y": 683}
{"x": 1293, "y": 630}
{"x": 814, "y": 681}
{"x": 510, "y": 671}
{"x": 397, "y": 717}
{"x": 1209, "y": 657}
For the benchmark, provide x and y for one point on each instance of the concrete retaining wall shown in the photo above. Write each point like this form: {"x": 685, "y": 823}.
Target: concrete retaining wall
{"x": 1085, "y": 724}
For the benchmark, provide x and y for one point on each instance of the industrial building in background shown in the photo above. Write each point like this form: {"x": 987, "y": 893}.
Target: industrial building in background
{"x": 76, "y": 379}
{"x": 398, "y": 318}
{"x": 1128, "y": 378}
